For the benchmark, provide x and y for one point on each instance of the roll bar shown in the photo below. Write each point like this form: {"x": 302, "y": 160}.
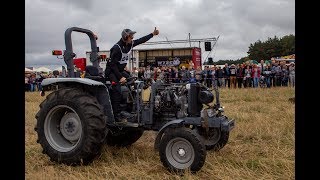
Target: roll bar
{"x": 69, "y": 54}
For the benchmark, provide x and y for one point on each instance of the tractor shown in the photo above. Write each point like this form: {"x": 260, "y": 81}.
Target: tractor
{"x": 76, "y": 119}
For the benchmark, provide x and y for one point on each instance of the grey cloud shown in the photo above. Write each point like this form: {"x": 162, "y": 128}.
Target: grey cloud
{"x": 82, "y": 4}
{"x": 238, "y": 23}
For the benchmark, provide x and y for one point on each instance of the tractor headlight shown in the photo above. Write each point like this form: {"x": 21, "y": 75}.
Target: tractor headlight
{"x": 205, "y": 97}
{"x": 210, "y": 112}
{"x": 188, "y": 86}
{"x": 221, "y": 109}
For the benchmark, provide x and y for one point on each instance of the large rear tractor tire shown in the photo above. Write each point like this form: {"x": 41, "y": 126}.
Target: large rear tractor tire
{"x": 71, "y": 126}
{"x": 181, "y": 149}
{"x": 125, "y": 137}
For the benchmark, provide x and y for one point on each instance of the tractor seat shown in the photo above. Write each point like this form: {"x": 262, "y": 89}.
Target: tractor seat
{"x": 93, "y": 73}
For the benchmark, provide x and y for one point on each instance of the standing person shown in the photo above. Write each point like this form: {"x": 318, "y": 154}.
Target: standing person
{"x": 141, "y": 74}
{"x": 255, "y": 75}
{"x": 160, "y": 75}
{"x": 226, "y": 74}
{"x": 240, "y": 74}
{"x": 219, "y": 76}
{"x": 277, "y": 69}
{"x": 168, "y": 75}
{"x": 213, "y": 76}
{"x": 175, "y": 75}
{"x": 39, "y": 81}
{"x": 32, "y": 82}
{"x": 115, "y": 70}
{"x": 267, "y": 74}
{"x": 199, "y": 74}
{"x": 184, "y": 75}
{"x": 192, "y": 74}
{"x": 284, "y": 75}
{"x": 147, "y": 73}
{"x": 209, "y": 77}
{"x": 205, "y": 75}
{"x": 154, "y": 74}
{"x": 134, "y": 72}
{"x": 232, "y": 75}
{"x": 292, "y": 73}
{"x": 247, "y": 77}
{"x": 273, "y": 73}
{"x": 262, "y": 66}
{"x": 26, "y": 82}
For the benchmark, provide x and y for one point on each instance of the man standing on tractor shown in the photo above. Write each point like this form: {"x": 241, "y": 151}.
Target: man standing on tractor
{"x": 115, "y": 69}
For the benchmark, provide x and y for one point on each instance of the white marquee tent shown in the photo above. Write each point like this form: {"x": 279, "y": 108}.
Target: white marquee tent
{"x": 59, "y": 69}
{"x": 27, "y": 70}
{"x": 43, "y": 69}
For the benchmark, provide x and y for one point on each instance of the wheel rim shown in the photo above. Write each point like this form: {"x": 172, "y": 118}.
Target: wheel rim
{"x": 213, "y": 137}
{"x": 62, "y": 128}
{"x": 180, "y": 153}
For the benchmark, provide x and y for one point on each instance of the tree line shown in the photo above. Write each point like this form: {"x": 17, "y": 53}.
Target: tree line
{"x": 272, "y": 47}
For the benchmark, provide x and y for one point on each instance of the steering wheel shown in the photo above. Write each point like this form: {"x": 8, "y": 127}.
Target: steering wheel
{"x": 131, "y": 80}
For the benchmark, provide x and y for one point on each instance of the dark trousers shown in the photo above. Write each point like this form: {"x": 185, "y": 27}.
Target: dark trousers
{"x": 209, "y": 82}
{"x": 115, "y": 92}
{"x": 272, "y": 81}
{"x": 248, "y": 82}
{"x": 278, "y": 80}
{"x": 240, "y": 79}
{"x": 227, "y": 81}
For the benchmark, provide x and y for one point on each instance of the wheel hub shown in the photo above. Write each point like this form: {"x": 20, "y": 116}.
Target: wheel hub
{"x": 181, "y": 152}
{"x": 70, "y": 127}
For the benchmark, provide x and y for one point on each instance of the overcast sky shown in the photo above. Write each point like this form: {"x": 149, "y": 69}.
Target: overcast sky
{"x": 237, "y": 23}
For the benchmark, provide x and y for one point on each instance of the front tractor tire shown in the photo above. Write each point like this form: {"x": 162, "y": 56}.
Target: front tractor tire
{"x": 71, "y": 126}
{"x": 181, "y": 149}
{"x": 215, "y": 139}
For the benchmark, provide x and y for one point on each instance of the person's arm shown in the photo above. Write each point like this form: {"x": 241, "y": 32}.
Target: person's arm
{"x": 142, "y": 39}
{"x": 115, "y": 56}
{"x": 145, "y": 38}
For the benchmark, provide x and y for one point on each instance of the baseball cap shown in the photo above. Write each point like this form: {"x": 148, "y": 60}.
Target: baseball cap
{"x": 127, "y": 32}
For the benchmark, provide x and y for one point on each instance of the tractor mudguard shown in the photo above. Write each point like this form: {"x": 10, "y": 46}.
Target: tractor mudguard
{"x": 176, "y": 123}
{"x": 101, "y": 92}
{"x": 221, "y": 122}
{"x": 227, "y": 125}
{"x": 86, "y": 81}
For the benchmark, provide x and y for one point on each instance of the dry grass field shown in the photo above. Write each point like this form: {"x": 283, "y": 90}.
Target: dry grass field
{"x": 261, "y": 146}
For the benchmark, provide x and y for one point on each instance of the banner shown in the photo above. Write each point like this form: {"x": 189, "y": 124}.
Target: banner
{"x": 169, "y": 61}
{"x": 196, "y": 57}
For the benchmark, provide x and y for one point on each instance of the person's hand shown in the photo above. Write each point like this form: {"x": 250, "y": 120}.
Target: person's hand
{"x": 123, "y": 80}
{"x": 95, "y": 36}
{"x": 155, "y": 31}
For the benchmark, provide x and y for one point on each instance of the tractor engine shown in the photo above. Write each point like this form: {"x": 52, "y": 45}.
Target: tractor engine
{"x": 181, "y": 100}
{"x": 168, "y": 101}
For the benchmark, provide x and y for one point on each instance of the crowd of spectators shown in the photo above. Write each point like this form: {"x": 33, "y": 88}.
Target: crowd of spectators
{"x": 32, "y": 81}
{"x": 245, "y": 75}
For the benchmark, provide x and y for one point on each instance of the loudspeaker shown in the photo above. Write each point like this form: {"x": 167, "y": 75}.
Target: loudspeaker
{"x": 207, "y": 46}
{"x": 210, "y": 61}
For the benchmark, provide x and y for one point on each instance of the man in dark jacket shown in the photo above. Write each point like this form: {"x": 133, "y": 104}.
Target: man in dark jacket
{"x": 120, "y": 54}
{"x": 226, "y": 74}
